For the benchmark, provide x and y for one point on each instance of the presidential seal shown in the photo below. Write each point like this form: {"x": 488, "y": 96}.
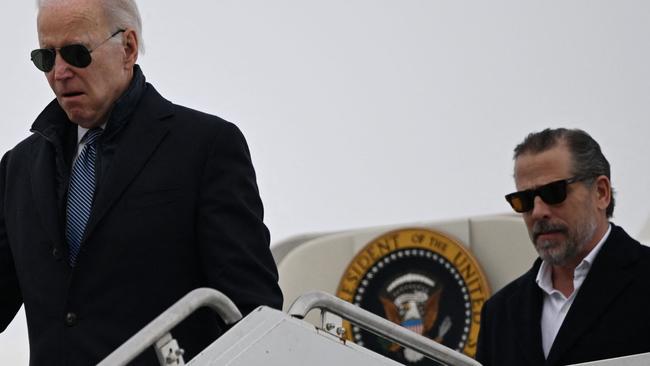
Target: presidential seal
{"x": 422, "y": 280}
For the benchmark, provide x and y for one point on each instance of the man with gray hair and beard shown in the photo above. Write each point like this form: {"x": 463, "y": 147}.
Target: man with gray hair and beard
{"x": 587, "y": 296}
{"x": 121, "y": 202}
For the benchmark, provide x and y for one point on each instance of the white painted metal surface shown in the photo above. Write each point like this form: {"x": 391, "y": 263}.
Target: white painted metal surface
{"x": 642, "y": 359}
{"x": 318, "y": 262}
{"x": 271, "y": 338}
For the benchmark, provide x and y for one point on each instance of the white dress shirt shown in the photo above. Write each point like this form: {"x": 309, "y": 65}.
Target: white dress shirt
{"x": 556, "y": 305}
{"x": 81, "y": 132}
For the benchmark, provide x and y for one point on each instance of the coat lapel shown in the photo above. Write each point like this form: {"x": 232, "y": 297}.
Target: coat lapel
{"x": 49, "y": 172}
{"x": 140, "y": 139}
{"x": 598, "y": 291}
{"x": 526, "y": 310}
{"x": 43, "y": 171}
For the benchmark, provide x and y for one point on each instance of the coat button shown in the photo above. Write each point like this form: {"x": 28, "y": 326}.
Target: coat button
{"x": 70, "y": 319}
{"x": 56, "y": 253}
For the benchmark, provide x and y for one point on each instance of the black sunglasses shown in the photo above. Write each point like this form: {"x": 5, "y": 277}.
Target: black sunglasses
{"x": 551, "y": 193}
{"x": 76, "y": 55}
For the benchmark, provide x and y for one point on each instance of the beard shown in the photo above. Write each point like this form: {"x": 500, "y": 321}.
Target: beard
{"x": 557, "y": 251}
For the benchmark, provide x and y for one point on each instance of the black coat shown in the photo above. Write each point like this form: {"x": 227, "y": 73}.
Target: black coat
{"x": 610, "y": 315}
{"x": 177, "y": 208}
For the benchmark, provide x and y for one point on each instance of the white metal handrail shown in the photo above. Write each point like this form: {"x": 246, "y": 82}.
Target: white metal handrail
{"x": 379, "y": 326}
{"x": 160, "y": 327}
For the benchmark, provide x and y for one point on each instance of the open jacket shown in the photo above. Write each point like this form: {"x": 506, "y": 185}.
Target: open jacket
{"x": 610, "y": 315}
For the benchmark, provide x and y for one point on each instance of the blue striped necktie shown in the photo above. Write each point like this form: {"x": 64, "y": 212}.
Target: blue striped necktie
{"x": 80, "y": 193}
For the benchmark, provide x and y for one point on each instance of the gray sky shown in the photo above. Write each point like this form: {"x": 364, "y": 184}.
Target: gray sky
{"x": 371, "y": 112}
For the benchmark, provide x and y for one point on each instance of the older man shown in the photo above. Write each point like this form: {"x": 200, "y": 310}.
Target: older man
{"x": 121, "y": 202}
{"x": 587, "y": 295}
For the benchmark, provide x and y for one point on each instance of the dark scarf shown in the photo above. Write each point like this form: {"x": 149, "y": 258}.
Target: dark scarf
{"x": 55, "y": 127}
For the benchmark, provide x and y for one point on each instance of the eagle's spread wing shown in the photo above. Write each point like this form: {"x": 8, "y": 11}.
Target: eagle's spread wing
{"x": 431, "y": 309}
{"x": 392, "y": 313}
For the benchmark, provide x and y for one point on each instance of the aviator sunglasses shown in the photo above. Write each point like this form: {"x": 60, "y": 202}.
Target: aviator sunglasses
{"x": 551, "y": 193}
{"x": 76, "y": 55}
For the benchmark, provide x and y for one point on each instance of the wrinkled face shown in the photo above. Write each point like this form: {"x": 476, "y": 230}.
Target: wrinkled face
{"x": 85, "y": 94}
{"x": 562, "y": 233}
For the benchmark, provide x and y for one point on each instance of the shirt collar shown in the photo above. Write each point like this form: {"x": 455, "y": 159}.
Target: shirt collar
{"x": 544, "y": 280}
{"x": 594, "y": 252}
{"x": 81, "y": 132}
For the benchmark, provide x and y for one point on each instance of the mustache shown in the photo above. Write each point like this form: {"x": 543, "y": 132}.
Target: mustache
{"x": 545, "y": 226}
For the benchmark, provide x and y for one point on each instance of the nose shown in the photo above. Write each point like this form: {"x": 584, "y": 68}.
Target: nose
{"x": 61, "y": 68}
{"x": 540, "y": 209}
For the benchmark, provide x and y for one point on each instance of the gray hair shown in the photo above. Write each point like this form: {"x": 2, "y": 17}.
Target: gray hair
{"x": 587, "y": 159}
{"x": 121, "y": 14}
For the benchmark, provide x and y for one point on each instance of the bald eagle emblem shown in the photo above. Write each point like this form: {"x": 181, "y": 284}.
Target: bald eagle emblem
{"x": 413, "y": 301}
{"x": 421, "y": 280}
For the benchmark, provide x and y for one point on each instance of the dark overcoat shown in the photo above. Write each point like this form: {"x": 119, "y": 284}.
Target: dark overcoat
{"x": 176, "y": 208}
{"x": 610, "y": 315}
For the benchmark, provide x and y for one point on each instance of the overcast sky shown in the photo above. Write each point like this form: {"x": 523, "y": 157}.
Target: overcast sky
{"x": 372, "y": 112}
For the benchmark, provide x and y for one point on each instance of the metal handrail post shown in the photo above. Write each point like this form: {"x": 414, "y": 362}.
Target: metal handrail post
{"x": 176, "y": 313}
{"x": 379, "y": 326}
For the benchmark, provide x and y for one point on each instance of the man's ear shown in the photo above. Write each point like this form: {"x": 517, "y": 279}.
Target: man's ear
{"x": 603, "y": 192}
{"x": 130, "y": 45}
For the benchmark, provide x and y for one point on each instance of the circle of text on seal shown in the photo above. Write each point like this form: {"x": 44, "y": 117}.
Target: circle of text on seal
{"x": 423, "y": 280}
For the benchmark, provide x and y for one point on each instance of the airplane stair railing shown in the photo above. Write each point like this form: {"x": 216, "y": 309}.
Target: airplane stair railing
{"x": 157, "y": 333}
{"x": 377, "y": 325}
